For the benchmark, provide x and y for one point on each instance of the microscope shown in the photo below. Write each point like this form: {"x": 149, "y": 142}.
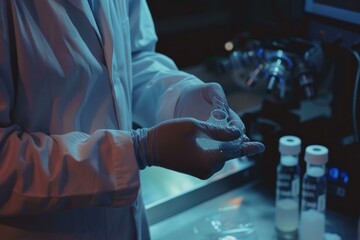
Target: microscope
{"x": 288, "y": 66}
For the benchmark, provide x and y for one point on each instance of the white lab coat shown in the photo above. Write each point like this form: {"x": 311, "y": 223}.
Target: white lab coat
{"x": 74, "y": 76}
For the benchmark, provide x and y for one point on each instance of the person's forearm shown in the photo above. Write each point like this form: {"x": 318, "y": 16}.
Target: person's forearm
{"x": 41, "y": 173}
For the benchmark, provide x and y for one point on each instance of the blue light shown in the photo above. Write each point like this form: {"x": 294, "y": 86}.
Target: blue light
{"x": 345, "y": 177}
{"x": 334, "y": 173}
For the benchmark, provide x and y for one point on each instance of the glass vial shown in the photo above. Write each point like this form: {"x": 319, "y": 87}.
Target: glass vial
{"x": 313, "y": 202}
{"x": 217, "y": 117}
{"x": 288, "y": 186}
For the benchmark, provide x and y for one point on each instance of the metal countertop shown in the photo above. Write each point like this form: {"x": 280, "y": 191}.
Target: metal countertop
{"x": 255, "y": 204}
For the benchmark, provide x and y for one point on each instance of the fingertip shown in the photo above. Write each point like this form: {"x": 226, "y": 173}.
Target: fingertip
{"x": 252, "y": 148}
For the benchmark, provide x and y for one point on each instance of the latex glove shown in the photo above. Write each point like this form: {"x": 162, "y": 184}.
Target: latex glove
{"x": 198, "y": 101}
{"x": 172, "y": 145}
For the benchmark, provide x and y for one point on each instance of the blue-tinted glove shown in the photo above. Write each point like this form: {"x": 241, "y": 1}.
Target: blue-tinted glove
{"x": 172, "y": 145}
{"x": 198, "y": 101}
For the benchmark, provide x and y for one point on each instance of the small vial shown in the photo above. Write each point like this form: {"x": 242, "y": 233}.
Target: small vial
{"x": 220, "y": 117}
{"x": 313, "y": 202}
{"x": 288, "y": 186}
{"x": 217, "y": 117}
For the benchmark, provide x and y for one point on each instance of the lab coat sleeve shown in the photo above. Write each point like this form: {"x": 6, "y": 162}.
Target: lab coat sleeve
{"x": 41, "y": 172}
{"x": 157, "y": 80}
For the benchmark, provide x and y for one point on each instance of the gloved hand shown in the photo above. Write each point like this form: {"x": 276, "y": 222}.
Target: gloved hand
{"x": 172, "y": 145}
{"x": 198, "y": 101}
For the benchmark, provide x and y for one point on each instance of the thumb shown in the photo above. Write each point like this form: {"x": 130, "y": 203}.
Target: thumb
{"x": 252, "y": 148}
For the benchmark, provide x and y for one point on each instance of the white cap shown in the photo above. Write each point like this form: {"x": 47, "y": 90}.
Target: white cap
{"x": 290, "y": 145}
{"x": 316, "y": 154}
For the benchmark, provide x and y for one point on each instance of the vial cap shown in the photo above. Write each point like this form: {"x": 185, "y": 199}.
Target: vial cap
{"x": 290, "y": 145}
{"x": 316, "y": 154}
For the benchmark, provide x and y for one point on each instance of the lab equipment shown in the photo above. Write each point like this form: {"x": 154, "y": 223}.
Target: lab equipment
{"x": 240, "y": 59}
{"x": 313, "y": 202}
{"x": 278, "y": 71}
{"x": 218, "y": 117}
{"x": 335, "y": 9}
{"x": 288, "y": 185}
{"x": 288, "y": 66}
{"x": 305, "y": 79}
{"x": 312, "y": 225}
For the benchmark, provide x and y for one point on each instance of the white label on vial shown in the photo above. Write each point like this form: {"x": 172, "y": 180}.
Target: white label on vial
{"x": 295, "y": 187}
{"x": 321, "y": 203}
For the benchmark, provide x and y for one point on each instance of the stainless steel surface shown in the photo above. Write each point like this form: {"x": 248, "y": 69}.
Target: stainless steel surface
{"x": 167, "y": 193}
{"x": 257, "y": 202}
{"x": 159, "y": 184}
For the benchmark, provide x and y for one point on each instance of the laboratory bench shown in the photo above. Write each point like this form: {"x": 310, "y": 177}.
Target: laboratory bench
{"x": 240, "y": 198}
{"x": 247, "y": 211}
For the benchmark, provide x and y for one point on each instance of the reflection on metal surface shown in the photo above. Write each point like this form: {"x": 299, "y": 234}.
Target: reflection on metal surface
{"x": 159, "y": 183}
{"x": 229, "y": 222}
{"x": 258, "y": 202}
{"x": 167, "y": 192}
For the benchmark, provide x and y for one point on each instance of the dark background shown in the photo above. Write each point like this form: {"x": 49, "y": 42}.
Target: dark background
{"x": 191, "y": 31}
